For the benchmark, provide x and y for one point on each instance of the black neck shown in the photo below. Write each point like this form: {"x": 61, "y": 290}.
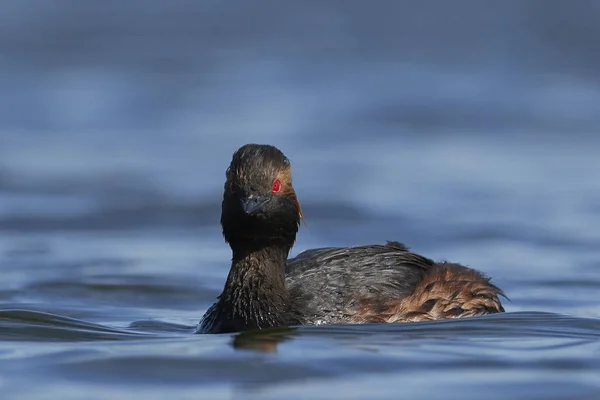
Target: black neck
{"x": 255, "y": 295}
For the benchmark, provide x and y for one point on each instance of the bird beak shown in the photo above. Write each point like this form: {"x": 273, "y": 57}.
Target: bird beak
{"x": 253, "y": 204}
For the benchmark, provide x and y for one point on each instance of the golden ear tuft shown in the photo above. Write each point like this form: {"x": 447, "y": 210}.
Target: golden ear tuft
{"x": 300, "y": 212}
{"x": 285, "y": 177}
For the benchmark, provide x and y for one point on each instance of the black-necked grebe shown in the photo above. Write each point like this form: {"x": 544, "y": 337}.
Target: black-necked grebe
{"x": 374, "y": 283}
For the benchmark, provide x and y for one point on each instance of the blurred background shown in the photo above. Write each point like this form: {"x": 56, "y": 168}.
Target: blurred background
{"x": 467, "y": 130}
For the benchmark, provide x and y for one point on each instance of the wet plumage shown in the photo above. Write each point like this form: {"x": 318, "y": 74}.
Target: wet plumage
{"x": 362, "y": 284}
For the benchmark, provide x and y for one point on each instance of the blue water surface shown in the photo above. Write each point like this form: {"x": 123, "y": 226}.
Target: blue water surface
{"x": 467, "y": 130}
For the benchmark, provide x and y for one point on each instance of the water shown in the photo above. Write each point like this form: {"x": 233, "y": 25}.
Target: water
{"x": 467, "y": 131}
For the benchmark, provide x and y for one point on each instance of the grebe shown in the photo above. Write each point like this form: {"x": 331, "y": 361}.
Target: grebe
{"x": 364, "y": 284}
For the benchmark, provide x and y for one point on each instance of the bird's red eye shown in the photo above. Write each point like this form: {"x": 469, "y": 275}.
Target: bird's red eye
{"x": 276, "y": 186}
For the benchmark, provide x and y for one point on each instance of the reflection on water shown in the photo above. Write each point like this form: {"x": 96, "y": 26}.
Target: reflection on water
{"x": 147, "y": 354}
